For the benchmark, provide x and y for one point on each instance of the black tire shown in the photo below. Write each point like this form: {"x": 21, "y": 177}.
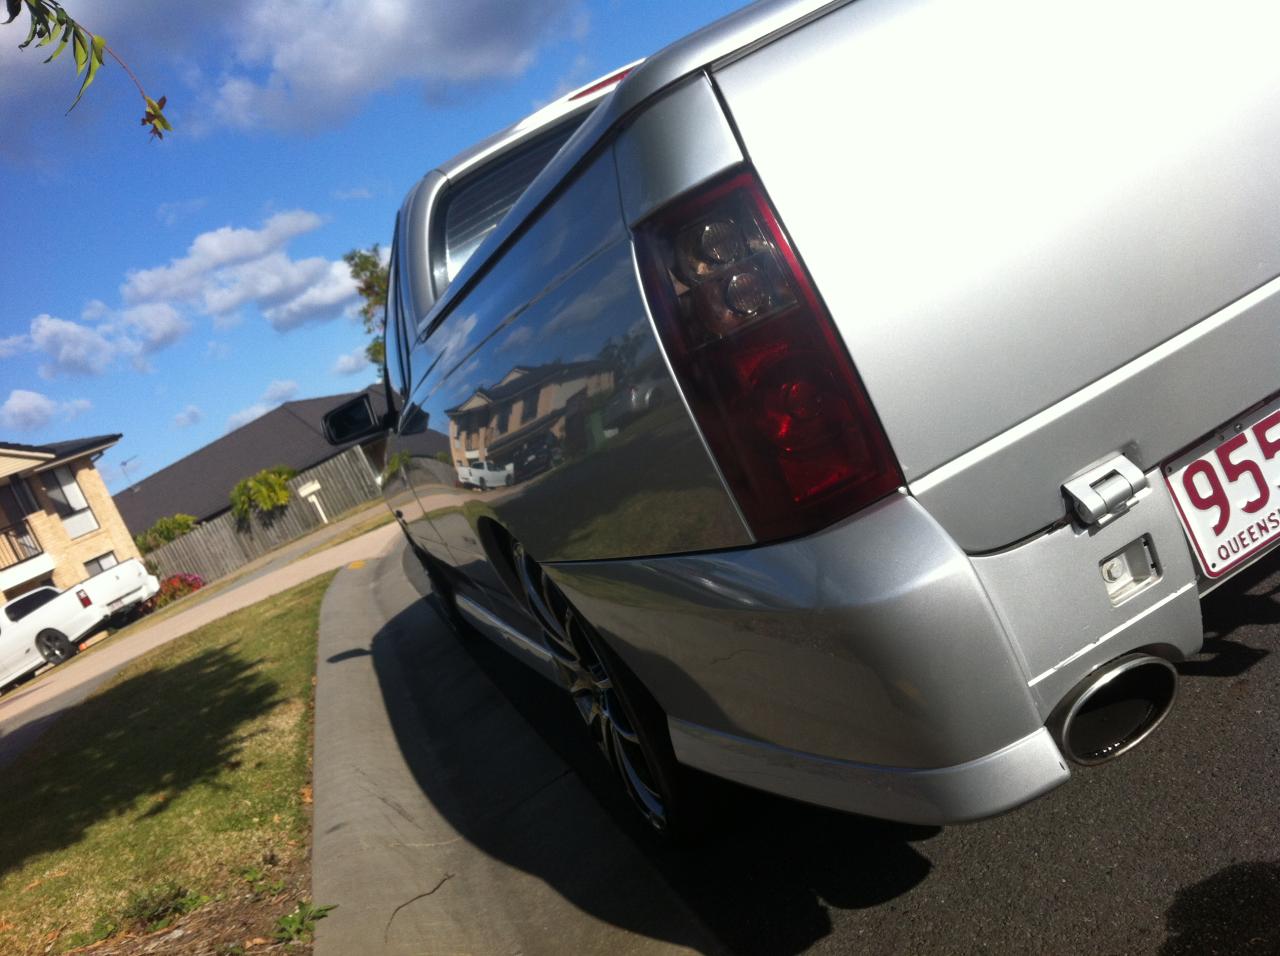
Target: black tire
{"x": 54, "y": 647}
{"x": 625, "y": 720}
{"x": 483, "y": 486}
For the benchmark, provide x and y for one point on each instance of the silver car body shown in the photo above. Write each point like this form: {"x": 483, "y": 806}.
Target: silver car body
{"x": 1049, "y": 238}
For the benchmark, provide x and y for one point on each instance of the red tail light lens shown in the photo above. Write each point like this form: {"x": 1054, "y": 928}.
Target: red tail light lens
{"x": 770, "y": 383}
{"x": 83, "y": 595}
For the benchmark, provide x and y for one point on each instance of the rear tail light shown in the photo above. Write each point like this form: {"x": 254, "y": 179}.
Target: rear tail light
{"x": 772, "y": 387}
{"x": 83, "y": 595}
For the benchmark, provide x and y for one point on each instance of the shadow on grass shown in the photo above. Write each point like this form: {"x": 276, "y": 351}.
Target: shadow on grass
{"x": 766, "y": 880}
{"x": 128, "y": 751}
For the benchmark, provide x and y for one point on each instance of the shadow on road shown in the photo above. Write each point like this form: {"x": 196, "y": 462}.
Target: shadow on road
{"x": 1247, "y": 600}
{"x": 99, "y": 760}
{"x": 1232, "y": 911}
{"x": 766, "y": 880}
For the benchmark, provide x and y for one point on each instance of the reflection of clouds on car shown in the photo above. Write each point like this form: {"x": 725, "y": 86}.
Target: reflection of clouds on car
{"x": 521, "y": 335}
{"x": 451, "y": 338}
{"x": 587, "y": 307}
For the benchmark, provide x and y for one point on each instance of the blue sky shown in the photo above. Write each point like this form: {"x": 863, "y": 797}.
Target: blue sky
{"x": 171, "y": 290}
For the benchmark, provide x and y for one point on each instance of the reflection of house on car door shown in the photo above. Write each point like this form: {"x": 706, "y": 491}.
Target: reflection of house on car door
{"x": 531, "y": 406}
{"x": 58, "y": 524}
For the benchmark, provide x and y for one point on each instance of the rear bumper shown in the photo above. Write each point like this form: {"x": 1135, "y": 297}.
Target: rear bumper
{"x": 984, "y": 787}
{"x": 877, "y": 668}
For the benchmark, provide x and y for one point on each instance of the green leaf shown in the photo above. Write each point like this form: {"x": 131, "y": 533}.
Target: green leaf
{"x": 51, "y": 34}
{"x": 66, "y": 35}
{"x": 95, "y": 61}
{"x": 31, "y": 34}
{"x": 14, "y": 7}
{"x": 80, "y": 47}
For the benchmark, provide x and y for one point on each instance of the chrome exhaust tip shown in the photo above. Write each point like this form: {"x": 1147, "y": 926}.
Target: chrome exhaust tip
{"x": 1114, "y": 708}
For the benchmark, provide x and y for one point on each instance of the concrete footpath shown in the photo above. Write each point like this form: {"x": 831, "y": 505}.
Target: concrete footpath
{"x": 27, "y": 712}
{"x": 444, "y": 822}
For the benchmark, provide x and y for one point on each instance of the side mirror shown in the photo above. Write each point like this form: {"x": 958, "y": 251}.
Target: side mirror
{"x": 352, "y": 421}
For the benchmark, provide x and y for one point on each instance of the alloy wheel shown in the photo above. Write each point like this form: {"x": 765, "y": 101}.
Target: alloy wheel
{"x": 593, "y": 684}
{"x": 51, "y": 649}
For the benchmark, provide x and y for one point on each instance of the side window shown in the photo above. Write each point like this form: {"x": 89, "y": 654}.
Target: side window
{"x": 17, "y": 610}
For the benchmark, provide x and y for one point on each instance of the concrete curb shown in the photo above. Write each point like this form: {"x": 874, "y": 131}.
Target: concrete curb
{"x": 443, "y": 822}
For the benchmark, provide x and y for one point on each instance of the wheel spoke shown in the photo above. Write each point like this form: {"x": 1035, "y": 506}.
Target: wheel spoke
{"x": 620, "y": 727}
{"x": 647, "y": 797}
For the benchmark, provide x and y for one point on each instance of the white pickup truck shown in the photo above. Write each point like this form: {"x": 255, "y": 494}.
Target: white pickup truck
{"x": 485, "y": 474}
{"x": 46, "y": 626}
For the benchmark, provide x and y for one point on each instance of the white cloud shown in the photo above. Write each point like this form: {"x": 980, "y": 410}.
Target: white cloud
{"x": 94, "y": 310}
{"x": 75, "y": 408}
{"x": 246, "y": 415}
{"x": 27, "y": 411}
{"x": 334, "y": 54}
{"x": 188, "y": 416}
{"x": 331, "y": 294}
{"x": 217, "y": 350}
{"x": 270, "y": 280}
{"x": 83, "y": 348}
{"x": 520, "y": 335}
{"x": 30, "y": 411}
{"x": 228, "y": 269}
{"x": 292, "y": 63}
{"x": 346, "y": 195}
{"x": 281, "y": 390}
{"x": 352, "y": 363}
{"x": 170, "y": 213}
{"x": 185, "y": 278}
{"x": 155, "y": 324}
{"x": 73, "y": 349}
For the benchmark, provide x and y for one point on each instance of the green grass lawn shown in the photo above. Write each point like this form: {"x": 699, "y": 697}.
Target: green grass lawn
{"x": 181, "y": 784}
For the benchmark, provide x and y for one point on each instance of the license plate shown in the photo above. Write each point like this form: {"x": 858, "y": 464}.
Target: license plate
{"x": 118, "y": 602}
{"x": 1228, "y": 492}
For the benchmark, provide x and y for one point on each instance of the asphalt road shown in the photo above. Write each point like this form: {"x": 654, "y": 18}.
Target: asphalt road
{"x": 1173, "y": 848}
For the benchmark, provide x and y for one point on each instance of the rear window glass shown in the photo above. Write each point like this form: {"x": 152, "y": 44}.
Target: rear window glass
{"x": 17, "y": 610}
{"x": 474, "y": 206}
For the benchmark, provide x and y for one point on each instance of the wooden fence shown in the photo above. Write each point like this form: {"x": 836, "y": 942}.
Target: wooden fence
{"x": 222, "y": 545}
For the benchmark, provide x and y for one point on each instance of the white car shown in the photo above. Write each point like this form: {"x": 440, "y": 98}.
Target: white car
{"x": 46, "y": 626}
{"x": 485, "y": 474}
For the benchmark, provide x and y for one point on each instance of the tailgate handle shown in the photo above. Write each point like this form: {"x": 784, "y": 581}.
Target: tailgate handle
{"x": 1105, "y": 490}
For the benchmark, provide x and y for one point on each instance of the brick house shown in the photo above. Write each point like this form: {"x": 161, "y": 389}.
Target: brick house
{"x": 58, "y": 524}
{"x": 530, "y": 405}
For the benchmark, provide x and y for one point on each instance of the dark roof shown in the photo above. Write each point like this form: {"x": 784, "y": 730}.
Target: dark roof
{"x": 62, "y": 450}
{"x": 200, "y": 484}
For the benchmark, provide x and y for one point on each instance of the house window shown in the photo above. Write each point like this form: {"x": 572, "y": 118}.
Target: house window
{"x": 68, "y": 501}
{"x": 101, "y": 563}
{"x": 22, "y": 494}
{"x": 530, "y": 409}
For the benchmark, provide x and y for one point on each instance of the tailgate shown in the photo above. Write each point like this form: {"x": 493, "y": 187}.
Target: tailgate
{"x": 1008, "y": 207}
{"x": 116, "y": 582}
